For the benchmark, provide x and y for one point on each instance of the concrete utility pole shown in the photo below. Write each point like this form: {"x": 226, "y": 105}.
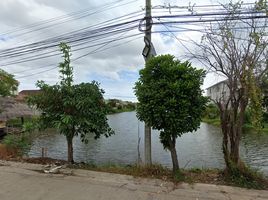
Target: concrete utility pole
{"x": 148, "y": 52}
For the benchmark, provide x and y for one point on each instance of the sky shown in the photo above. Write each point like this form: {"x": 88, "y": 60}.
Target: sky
{"x": 116, "y": 69}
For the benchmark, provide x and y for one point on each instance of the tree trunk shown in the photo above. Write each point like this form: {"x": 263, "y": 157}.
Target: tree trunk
{"x": 70, "y": 149}
{"x": 231, "y": 123}
{"x": 225, "y": 129}
{"x": 22, "y": 120}
{"x": 173, "y": 152}
{"x": 237, "y": 131}
{"x": 225, "y": 148}
{"x": 235, "y": 152}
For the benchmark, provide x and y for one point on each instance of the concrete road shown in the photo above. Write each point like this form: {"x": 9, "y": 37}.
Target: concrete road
{"x": 23, "y": 181}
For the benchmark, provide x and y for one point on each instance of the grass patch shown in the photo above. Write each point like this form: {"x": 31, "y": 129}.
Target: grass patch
{"x": 215, "y": 122}
{"x": 16, "y": 122}
{"x": 247, "y": 126}
{"x": 22, "y": 140}
{"x": 245, "y": 177}
{"x": 114, "y": 111}
{"x": 154, "y": 171}
{"x": 248, "y": 178}
{"x": 265, "y": 129}
{"x": 19, "y": 142}
{"x": 252, "y": 128}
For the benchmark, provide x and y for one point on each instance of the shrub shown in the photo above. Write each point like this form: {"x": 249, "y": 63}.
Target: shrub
{"x": 244, "y": 176}
{"x": 247, "y": 118}
{"x": 265, "y": 117}
{"x": 211, "y": 112}
{"x": 21, "y": 143}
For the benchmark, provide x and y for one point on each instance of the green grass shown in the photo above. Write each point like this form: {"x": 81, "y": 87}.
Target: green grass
{"x": 16, "y": 122}
{"x": 251, "y": 127}
{"x": 114, "y": 111}
{"x": 265, "y": 129}
{"x": 245, "y": 177}
{"x": 248, "y": 179}
{"x": 154, "y": 171}
{"x": 216, "y": 122}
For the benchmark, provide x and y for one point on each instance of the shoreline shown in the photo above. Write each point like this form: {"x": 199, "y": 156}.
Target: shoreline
{"x": 156, "y": 171}
{"x": 216, "y": 122}
{"x": 68, "y": 184}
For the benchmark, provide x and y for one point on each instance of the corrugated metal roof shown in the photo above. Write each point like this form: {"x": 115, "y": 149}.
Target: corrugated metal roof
{"x": 216, "y": 84}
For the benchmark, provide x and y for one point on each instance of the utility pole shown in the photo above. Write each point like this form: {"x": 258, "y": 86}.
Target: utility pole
{"x": 147, "y": 53}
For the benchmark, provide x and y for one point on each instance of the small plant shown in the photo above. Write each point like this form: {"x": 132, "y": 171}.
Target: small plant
{"x": 179, "y": 176}
{"x": 244, "y": 176}
{"x": 195, "y": 170}
{"x": 211, "y": 112}
{"x": 21, "y": 143}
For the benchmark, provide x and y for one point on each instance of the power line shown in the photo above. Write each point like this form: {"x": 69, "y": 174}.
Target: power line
{"x": 210, "y": 20}
{"x": 191, "y": 6}
{"x": 183, "y": 29}
{"x": 180, "y": 41}
{"x": 21, "y": 50}
{"x": 89, "y": 53}
{"x": 71, "y": 16}
{"x": 204, "y": 14}
{"x": 102, "y": 32}
{"x": 58, "y": 38}
{"x": 41, "y": 56}
{"x": 93, "y": 34}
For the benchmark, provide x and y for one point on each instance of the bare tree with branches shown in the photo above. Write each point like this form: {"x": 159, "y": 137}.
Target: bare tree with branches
{"x": 237, "y": 49}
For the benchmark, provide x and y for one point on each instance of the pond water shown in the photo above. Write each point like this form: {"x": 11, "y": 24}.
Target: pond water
{"x": 198, "y": 149}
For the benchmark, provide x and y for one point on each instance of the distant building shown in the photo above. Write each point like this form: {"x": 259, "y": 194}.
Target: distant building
{"x": 218, "y": 91}
{"x": 25, "y": 93}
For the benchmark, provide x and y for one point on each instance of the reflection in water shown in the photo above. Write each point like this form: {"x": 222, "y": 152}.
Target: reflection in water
{"x": 199, "y": 149}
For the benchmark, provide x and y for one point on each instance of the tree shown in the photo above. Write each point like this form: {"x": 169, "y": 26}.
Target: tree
{"x": 236, "y": 48}
{"x": 264, "y": 89}
{"x": 8, "y": 85}
{"x": 170, "y": 99}
{"x": 72, "y": 109}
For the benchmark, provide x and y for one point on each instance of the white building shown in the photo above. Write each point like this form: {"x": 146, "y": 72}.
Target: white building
{"x": 218, "y": 92}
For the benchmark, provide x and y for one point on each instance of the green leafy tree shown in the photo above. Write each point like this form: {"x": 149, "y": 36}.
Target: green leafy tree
{"x": 8, "y": 84}
{"x": 170, "y": 99}
{"x": 72, "y": 109}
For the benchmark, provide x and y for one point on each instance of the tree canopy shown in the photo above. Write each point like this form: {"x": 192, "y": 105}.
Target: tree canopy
{"x": 8, "y": 84}
{"x": 72, "y": 109}
{"x": 170, "y": 98}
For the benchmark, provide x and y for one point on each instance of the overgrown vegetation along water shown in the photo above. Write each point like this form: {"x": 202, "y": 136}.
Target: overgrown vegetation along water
{"x": 252, "y": 179}
{"x": 247, "y": 126}
{"x": 212, "y": 116}
{"x": 249, "y": 178}
{"x": 114, "y": 111}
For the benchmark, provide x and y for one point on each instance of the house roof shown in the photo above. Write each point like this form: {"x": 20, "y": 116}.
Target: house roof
{"x": 29, "y": 92}
{"x": 217, "y": 84}
{"x": 10, "y": 108}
